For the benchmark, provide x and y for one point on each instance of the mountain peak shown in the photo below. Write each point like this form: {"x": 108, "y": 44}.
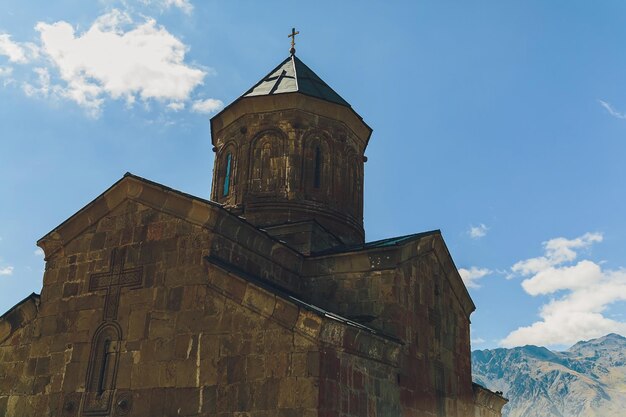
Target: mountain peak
{"x": 586, "y": 380}
{"x": 611, "y": 338}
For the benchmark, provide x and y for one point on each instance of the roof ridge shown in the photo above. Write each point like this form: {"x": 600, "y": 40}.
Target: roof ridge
{"x": 295, "y": 71}
{"x": 305, "y": 81}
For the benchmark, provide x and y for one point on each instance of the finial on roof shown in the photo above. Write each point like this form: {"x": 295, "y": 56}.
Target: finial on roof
{"x": 292, "y": 51}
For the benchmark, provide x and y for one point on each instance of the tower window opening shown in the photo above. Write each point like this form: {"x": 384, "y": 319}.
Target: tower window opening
{"x": 318, "y": 168}
{"x": 227, "y": 174}
{"x": 266, "y": 166}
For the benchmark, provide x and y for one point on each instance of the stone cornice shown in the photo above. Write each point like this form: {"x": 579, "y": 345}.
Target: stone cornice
{"x": 195, "y": 210}
{"x": 264, "y": 104}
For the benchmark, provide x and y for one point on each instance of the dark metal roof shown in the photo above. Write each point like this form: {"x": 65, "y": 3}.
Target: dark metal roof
{"x": 293, "y": 76}
{"x": 384, "y": 243}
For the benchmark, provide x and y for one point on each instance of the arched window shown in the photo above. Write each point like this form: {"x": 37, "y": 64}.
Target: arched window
{"x": 227, "y": 174}
{"x": 103, "y": 359}
{"x": 265, "y": 165}
{"x": 317, "y": 179}
{"x": 104, "y": 366}
{"x": 267, "y": 158}
{"x": 318, "y": 168}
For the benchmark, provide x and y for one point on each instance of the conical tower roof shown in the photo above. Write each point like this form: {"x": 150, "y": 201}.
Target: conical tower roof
{"x": 293, "y": 76}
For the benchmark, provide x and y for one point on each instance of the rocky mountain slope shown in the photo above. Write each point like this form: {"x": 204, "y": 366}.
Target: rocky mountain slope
{"x": 589, "y": 379}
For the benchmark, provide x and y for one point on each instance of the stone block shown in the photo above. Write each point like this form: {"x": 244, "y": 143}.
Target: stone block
{"x": 255, "y": 367}
{"x": 167, "y": 374}
{"x": 285, "y": 313}
{"x": 161, "y": 325}
{"x": 209, "y": 399}
{"x": 276, "y": 365}
{"x": 309, "y": 323}
{"x": 137, "y": 324}
{"x": 187, "y": 373}
{"x": 235, "y": 369}
{"x": 43, "y": 366}
{"x": 175, "y": 298}
{"x": 209, "y": 373}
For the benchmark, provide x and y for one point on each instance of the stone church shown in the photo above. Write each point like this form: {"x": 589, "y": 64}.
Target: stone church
{"x": 264, "y": 301}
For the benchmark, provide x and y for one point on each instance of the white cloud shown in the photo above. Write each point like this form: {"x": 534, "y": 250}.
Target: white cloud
{"x": 39, "y": 252}
{"x": 478, "y": 341}
{"x": 611, "y": 110}
{"x": 43, "y": 81}
{"x": 557, "y": 251}
{"x": 470, "y": 276}
{"x": 11, "y": 50}
{"x": 118, "y": 59}
{"x": 6, "y": 72}
{"x": 476, "y": 232}
{"x": 580, "y": 294}
{"x": 209, "y": 105}
{"x": 7, "y": 270}
{"x": 176, "y": 106}
{"x": 6, "y": 75}
{"x": 184, "y": 5}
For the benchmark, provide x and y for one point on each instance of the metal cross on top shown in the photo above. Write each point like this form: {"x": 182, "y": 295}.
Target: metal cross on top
{"x": 113, "y": 281}
{"x": 293, "y": 40}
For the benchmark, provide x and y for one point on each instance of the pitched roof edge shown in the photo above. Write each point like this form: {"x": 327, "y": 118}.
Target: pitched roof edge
{"x": 19, "y": 315}
{"x": 300, "y": 62}
{"x": 248, "y": 91}
{"x": 437, "y": 245}
{"x": 196, "y": 210}
{"x": 456, "y": 281}
{"x": 376, "y": 244}
{"x": 292, "y": 298}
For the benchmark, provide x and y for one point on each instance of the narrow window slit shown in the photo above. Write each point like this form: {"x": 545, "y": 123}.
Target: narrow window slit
{"x": 318, "y": 168}
{"x": 226, "y": 189}
{"x": 105, "y": 365}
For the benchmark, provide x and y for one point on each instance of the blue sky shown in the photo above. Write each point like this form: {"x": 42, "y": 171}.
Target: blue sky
{"x": 501, "y": 123}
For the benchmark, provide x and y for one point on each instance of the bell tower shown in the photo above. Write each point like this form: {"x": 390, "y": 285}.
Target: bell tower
{"x": 289, "y": 157}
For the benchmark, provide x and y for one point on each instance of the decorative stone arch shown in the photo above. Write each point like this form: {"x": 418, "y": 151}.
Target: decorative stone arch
{"x": 102, "y": 369}
{"x": 102, "y": 365}
{"x": 354, "y": 181}
{"x": 317, "y": 167}
{"x": 267, "y": 162}
{"x": 228, "y": 161}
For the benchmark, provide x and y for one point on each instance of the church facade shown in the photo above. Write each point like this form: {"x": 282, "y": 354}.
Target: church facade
{"x": 265, "y": 301}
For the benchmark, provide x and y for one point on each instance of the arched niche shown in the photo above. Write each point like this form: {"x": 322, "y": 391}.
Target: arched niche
{"x": 267, "y": 162}
{"x": 317, "y": 166}
{"x": 104, "y": 359}
{"x": 228, "y": 160}
{"x": 353, "y": 170}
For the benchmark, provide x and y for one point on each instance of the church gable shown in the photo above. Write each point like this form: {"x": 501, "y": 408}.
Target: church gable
{"x": 234, "y": 238}
{"x": 126, "y": 312}
{"x": 409, "y": 287}
{"x": 140, "y": 310}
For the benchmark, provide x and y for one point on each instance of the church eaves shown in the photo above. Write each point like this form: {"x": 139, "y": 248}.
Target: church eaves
{"x": 293, "y": 76}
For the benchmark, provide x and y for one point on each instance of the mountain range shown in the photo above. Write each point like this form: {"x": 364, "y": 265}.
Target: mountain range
{"x": 589, "y": 379}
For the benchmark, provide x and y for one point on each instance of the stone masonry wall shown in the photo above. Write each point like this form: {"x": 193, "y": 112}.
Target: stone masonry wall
{"x": 185, "y": 349}
{"x": 352, "y": 386}
{"x": 412, "y": 300}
